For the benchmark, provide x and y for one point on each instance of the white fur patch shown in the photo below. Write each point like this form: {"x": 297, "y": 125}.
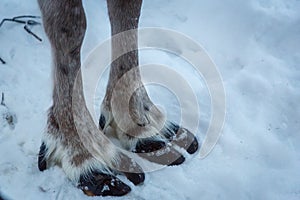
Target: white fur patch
{"x": 58, "y": 154}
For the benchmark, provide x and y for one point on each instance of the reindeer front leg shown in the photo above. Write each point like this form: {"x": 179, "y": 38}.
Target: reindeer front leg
{"x": 72, "y": 140}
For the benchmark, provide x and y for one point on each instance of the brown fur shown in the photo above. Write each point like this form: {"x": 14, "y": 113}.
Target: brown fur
{"x": 65, "y": 25}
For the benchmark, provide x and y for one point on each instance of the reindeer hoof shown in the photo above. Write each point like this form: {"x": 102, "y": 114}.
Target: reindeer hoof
{"x": 147, "y": 146}
{"x": 159, "y": 152}
{"x": 41, "y": 158}
{"x": 100, "y": 184}
{"x": 102, "y": 122}
{"x": 181, "y": 137}
{"x": 163, "y": 152}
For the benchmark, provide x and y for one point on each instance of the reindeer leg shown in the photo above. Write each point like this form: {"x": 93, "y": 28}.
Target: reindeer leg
{"x": 72, "y": 140}
{"x": 148, "y": 132}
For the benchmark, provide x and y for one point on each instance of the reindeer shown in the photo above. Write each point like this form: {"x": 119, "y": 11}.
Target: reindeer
{"x": 86, "y": 155}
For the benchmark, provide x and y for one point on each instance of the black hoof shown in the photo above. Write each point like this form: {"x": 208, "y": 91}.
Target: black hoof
{"x": 147, "y": 146}
{"x": 102, "y": 122}
{"x": 135, "y": 178}
{"x": 100, "y": 184}
{"x": 193, "y": 147}
{"x": 178, "y": 161}
{"x": 41, "y": 159}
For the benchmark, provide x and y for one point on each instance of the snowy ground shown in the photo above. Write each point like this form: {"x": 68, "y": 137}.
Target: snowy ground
{"x": 255, "y": 45}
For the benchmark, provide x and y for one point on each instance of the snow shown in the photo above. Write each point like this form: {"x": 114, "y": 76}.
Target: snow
{"x": 255, "y": 45}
